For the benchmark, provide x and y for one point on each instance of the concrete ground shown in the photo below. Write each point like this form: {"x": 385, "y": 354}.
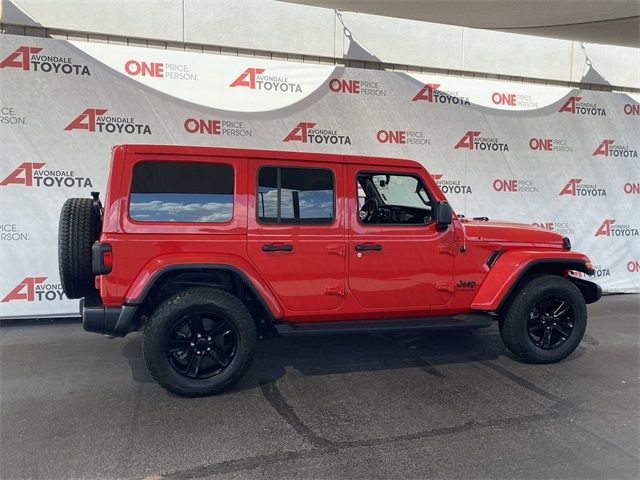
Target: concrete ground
{"x": 445, "y": 405}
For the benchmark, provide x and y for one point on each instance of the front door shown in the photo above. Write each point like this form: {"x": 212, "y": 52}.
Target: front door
{"x": 397, "y": 256}
{"x": 296, "y": 232}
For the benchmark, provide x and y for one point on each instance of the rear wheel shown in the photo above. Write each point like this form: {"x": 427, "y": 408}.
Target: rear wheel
{"x": 546, "y": 321}
{"x": 199, "y": 342}
{"x": 78, "y": 229}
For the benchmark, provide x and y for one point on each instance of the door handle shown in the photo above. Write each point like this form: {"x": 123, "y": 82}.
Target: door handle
{"x": 368, "y": 247}
{"x": 277, "y": 247}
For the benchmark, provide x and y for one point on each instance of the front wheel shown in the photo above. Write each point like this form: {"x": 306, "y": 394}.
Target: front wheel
{"x": 199, "y": 342}
{"x": 546, "y": 321}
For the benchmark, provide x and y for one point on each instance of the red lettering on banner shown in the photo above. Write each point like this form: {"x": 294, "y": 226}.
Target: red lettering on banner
{"x": 392, "y": 136}
{"x": 211, "y": 127}
{"x": 570, "y": 188}
{"x": 18, "y": 292}
{"x": 504, "y": 99}
{"x": 541, "y": 144}
{"x": 500, "y": 185}
{"x": 299, "y": 133}
{"x": 603, "y": 148}
{"x": 144, "y": 69}
{"x": 630, "y": 188}
{"x": 248, "y": 78}
{"x": 337, "y": 85}
{"x": 20, "y": 58}
{"x": 467, "y": 140}
{"x": 86, "y": 120}
{"x": 426, "y": 93}
{"x": 23, "y": 175}
{"x": 570, "y": 105}
{"x": 630, "y": 109}
{"x": 605, "y": 228}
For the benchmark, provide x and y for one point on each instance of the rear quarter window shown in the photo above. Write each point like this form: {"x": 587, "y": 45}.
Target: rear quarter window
{"x": 181, "y": 192}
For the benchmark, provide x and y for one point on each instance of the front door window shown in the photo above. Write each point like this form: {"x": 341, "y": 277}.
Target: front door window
{"x": 393, "y": 199}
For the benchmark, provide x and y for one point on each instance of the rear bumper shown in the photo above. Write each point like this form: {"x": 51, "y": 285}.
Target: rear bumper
{"x": 115, "y": 321}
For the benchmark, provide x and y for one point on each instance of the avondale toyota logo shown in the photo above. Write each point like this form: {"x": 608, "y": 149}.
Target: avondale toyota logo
{"x": 473, "y": 141}
{"x": 30, "y": 59}
{"x": 305, "y": 132}
{"x": 448, "y": 186}
{"x": 575, "y": 106}
{"x": 31, "y": 174}
{"x": 608, "y": 148}
{"x": 95, "y": 120}
{"x": 34, "y": 289}
{"x": 256, "y": 79}
{"x": 609, "y": 228}
{"x": 576, "y": 188}
{"x": 432, "y": 93}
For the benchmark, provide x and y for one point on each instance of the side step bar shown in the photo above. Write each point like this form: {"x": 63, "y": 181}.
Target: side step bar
{"x": 462, "y": 321}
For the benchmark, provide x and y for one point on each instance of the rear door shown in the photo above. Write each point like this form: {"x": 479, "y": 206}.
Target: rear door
{"x": 296, "y": 232}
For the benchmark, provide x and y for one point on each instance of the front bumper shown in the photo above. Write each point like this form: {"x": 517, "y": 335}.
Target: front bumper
{"x": 591, "y": 291}
{"x": 115, "y": 321}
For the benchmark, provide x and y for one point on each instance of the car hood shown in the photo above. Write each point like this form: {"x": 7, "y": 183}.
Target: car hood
{"x": 509, "y": 232}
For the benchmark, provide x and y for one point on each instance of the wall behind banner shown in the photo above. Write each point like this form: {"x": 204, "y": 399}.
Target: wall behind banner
{"x": 563, "y": 159}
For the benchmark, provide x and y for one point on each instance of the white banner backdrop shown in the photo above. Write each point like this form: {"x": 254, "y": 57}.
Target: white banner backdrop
{"x": 559, "y": 158}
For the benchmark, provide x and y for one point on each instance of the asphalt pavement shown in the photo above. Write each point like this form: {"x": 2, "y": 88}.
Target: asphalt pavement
{"x": 428, "y": 405}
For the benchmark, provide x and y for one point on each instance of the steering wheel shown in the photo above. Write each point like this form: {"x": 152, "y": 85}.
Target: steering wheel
{"x": 368, "y": 208}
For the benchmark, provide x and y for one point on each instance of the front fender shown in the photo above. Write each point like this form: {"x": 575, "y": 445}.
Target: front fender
{"x": 160, "y": 265}
{"x": 511, "y": 266}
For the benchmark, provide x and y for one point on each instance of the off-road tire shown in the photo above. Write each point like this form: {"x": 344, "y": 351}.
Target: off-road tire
{"x": 514, "y": 330}
{"x": 168, "y": 313}
{"x": 78, "y": 229}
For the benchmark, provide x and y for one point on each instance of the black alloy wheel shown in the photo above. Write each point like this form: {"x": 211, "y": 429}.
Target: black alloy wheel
{"x": 201, "y": 345}
{"x": 551, "y": 322}
{"x": 545, "y": 321}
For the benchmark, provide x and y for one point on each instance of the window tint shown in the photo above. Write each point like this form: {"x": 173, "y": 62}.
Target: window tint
{"x": 295, "y": 195}
{"x": 181, "y": 192}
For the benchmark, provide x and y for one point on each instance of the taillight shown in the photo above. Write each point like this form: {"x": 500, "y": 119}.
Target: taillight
{"x": 107, "y": 259}
{"x": 101, "y": 258}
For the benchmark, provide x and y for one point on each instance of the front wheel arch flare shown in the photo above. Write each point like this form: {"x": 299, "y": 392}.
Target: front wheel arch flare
{"x": 536, "y": 268}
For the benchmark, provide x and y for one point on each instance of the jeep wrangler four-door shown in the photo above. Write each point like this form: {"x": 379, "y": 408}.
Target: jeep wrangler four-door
{"x": 209, "y": 249}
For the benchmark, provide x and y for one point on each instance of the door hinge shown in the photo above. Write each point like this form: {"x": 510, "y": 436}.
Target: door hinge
{"x": 448, "y": 248}
{"x": 445, "y": 286}
{"x": 335, "y": 290}
{"x": 337, "y": 249}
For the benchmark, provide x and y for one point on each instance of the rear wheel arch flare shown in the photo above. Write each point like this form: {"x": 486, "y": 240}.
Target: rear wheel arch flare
{"x": 215, "y": 275}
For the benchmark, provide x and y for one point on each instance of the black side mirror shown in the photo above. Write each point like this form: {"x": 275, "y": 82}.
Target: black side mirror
{"x": 443, "y": 214}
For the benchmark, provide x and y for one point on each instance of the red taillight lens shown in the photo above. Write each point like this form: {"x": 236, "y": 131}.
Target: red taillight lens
{"x": 107, "y": 259}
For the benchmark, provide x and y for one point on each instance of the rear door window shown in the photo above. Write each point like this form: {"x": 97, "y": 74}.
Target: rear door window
{"x": 295, "y": 195}
{"x": 181, "y": 192}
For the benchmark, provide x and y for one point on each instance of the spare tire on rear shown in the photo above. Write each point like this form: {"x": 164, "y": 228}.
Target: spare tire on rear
{"x": 78, "y": 229}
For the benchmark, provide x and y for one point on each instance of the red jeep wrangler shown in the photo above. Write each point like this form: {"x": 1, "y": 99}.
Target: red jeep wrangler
{"x": 211, "y": 248}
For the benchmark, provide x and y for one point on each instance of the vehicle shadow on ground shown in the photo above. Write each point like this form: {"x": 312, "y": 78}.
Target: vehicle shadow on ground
{"x": 338, "y": 354}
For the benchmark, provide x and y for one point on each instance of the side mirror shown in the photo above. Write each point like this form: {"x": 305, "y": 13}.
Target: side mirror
{"x": 443, "y": 214}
